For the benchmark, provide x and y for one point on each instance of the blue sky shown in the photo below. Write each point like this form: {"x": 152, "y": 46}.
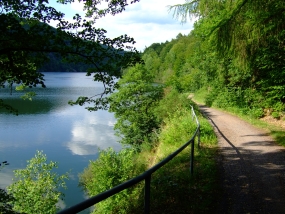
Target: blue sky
{"x": 147, "y": 21}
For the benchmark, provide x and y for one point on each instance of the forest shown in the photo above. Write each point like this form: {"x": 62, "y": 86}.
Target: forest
{"x": 233, "y": 58}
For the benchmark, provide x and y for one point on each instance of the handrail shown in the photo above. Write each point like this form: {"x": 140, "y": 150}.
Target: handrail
{"x": 144, "y": 176}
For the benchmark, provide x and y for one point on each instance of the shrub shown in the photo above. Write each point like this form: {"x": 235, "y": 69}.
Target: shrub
{"x": 171, "y": 102}
{"x": 256, "y": 112}
{"x": 276, "y": 115}
{"x": 37, "y": 187}
{"x": 133, "y": 105}
{"x": 108, "y": 171}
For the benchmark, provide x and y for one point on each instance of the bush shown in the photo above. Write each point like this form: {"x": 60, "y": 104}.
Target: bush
{"x": 108, "y": 171}
{"x": 171, "y": 102}
{"x": 276, "y": 115}
{"x": 180, "y": 127}
{"x": 133, "y": 105}
{"x": 256, "y": 112}
{"x": 37, "y": 187}
{"x": 5, "y": 200}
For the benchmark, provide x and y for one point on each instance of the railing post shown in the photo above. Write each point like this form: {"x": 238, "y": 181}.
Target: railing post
{"x": 199, "y": 137}
{"x": 192, "y": 156}
{"x": 147, "y": 195}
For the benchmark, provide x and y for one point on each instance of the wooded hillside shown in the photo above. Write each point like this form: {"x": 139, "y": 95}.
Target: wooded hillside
{"x": 235, "y": 54}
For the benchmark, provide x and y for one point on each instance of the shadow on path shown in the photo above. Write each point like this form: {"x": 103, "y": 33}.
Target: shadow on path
{"x": 251, "y": 165}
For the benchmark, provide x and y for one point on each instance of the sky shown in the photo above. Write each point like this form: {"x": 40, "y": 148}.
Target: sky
{"x": 148, "y": 21}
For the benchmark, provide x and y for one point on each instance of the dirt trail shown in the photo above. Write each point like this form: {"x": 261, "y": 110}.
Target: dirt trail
{"x": 252, "y": 167}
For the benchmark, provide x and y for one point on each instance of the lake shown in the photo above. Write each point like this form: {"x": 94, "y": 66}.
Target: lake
{"x": 69, "y": 135}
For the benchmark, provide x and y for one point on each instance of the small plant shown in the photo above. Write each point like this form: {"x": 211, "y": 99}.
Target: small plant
{"x": 275, "y": 115}
{"x": 37, "y": 187}
{"x": 256, "y": 112}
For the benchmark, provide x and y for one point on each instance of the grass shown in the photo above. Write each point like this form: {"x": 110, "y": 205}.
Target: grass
{"x": 173, "y": 188}
{"x": 276, "y": 132}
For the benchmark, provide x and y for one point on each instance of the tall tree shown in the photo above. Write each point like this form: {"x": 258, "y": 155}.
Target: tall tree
{"x": 248, "y": 36}
{"x": 239, "y": 27}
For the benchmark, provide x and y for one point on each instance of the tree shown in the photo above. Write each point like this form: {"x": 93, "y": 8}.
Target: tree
{"x": 239, "y": 27}
{"x": 152, "y": 62}
{"x": 133, "y": 105}
{"x": 37, "y": 187}
{"x": 27, "y": 38}
{"x": 245, "y": 40}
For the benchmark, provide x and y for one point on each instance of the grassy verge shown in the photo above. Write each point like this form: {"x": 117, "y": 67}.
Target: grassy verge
{"x": 173, "y": 188}
{"x": 276, "y": 132}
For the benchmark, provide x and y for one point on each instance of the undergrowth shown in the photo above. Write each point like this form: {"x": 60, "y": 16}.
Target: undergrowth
{"x": 173, "y": 188}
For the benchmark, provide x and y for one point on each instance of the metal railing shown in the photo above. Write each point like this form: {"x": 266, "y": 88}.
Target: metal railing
{"x": 144, "y": 176}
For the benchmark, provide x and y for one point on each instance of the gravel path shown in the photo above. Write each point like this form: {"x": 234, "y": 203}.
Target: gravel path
{"x": 252, "y": 167}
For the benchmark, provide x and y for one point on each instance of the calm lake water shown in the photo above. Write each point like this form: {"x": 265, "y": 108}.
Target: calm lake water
{"x": 70, "y": 135}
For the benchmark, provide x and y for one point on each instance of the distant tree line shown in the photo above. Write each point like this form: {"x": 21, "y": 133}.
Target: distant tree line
{"x": 55, "y": 63}
{"x": 28, "y": 42}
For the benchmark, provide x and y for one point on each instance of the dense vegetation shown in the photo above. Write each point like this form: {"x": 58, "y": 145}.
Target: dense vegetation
{"x": 172, "y": 187}
{"x": 234, "y": 58}
{"x": 235, "y": 54}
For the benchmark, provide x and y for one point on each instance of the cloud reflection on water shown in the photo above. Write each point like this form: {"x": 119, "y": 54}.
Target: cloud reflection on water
{"x": 93, "y": 133}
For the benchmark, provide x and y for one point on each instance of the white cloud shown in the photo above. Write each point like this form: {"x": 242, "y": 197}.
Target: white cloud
{"x": 147, "y": 21}
{"x": 77, "y": 6}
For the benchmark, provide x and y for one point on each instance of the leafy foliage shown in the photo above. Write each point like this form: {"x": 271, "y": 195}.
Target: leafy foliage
{"x": 5, "y": 200}
{"x": 134, "y": 104}
{"x": 108, "y": 171}
{"x": 37, "y": 187}
{"x": 235, "y": 54}
{"x": 27, "y": 40}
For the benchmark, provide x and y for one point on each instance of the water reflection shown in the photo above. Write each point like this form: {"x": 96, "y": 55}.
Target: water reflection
{"x": 99, "y": 134}
{"x": 67, "y": 134}
{"x": 6, "y": 176}
{"x": 37, "y": 106}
